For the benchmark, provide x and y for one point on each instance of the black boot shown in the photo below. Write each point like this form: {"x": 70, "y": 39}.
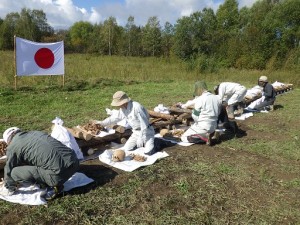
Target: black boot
{"x": 160, "y": 144}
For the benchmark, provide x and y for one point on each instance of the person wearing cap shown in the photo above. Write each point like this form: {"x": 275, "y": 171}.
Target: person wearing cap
{"x": 34, "y": 157}
{"x": 268, "y": 96}
{"x": 205, "y": 114}
{"x": 232, "y": 95}
{"x": 138, "y": 118}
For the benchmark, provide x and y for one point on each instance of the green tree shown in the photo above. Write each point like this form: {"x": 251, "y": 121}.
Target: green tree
{"x": 167, "y": 39}
{"x": 110, "y": 34}
{"x": 132, "y": 34}
{"x": 151, "y": 37}
{"x": 80, "y": 34}
{"x": 183, "y": 38}
{"x": 227, "y": 32}
{"x": 7, "y": 31}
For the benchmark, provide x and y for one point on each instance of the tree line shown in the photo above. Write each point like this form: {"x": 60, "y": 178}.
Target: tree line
{"x": 264, "y": 36}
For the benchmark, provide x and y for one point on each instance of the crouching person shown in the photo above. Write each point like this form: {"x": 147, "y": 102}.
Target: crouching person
{"x": 205, "y": 115}
{"x": 34, "y": 157}
{"x": 138, "y": 118}
{"x": 268, "y": 96}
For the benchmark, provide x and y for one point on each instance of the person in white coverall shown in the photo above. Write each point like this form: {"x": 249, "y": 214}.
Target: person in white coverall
{"x": 137, "y": 117}
{"x": 231, "y": 94}
{"x": 205, "y": 114}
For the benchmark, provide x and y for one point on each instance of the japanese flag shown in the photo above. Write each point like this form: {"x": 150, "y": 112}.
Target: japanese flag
{"x": 34, "y": 58}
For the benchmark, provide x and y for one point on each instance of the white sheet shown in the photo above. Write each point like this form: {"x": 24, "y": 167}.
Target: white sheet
{"x": 244, "y": 116}
{"x": 128, "y": 164}
{"x": 176, "y": 142}
{"x": 32, "y": 195}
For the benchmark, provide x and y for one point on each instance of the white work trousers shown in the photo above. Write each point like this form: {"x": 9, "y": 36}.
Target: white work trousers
{"x": 203, "y": 129}
{"x": 136, "y": 134}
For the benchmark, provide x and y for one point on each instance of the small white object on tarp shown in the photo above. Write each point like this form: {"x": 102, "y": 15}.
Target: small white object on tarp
{"x": 61, "y": 134}
{"x": 160, "y": 108}
{"x": 31, "y": 195}
{"x": 129, "y": 164}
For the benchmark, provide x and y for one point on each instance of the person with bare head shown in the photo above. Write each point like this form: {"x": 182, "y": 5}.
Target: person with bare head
{"x": 232, "y": 96}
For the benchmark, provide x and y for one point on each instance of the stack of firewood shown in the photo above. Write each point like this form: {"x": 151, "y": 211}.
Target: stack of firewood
{"x": 177, "y": 116}
{"x": 3, "y": 147}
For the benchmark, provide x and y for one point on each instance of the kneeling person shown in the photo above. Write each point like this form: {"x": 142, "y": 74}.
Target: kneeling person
{"x": 205, "y": 115}
{"x": 34, "y": 157}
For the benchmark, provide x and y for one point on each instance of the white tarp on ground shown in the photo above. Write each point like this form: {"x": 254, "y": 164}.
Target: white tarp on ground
{"x": 32, "y": 195}
{"x": 128, "y": 164}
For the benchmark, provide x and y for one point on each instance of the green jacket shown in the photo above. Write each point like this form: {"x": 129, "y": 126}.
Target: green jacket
{"x": 38, "y": 149}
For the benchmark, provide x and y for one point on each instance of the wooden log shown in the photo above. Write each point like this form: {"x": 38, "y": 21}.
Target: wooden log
{"x": 97, "y": 141}
{"x": 184, "y": 116}
{"x": 119, "y": 129}
{"x": 161, "y": 115}
{"x": 153, "y": 120}
{"x": 79, "y": 133}
{"x": 177, "y": 110}
{"x": 165, "y": 124}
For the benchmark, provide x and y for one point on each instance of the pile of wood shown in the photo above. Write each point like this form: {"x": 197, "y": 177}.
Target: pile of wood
{"x": 3, "y": 147}
{"x": 88, "y": 136}
{"x": 177, "y": 116}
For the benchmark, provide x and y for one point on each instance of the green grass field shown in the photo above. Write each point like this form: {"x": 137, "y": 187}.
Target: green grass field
{"x": 253, "y": 179}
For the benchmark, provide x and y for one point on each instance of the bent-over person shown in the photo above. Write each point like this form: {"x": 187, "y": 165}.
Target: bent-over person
{"x": 34, "y": 157}
{"x": 232, "y": 95}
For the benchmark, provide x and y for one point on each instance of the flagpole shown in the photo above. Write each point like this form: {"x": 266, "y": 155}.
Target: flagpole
{"x": 63, "y": 80}
{"x": 15, "y": 62}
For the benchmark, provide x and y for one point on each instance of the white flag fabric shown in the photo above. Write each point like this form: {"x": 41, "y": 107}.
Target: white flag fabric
{"x": 34, "y": 58}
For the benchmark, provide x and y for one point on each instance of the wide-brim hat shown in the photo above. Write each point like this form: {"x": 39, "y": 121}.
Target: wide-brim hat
{"x": 120, "y": 98}
{"x": 8, "y": 132}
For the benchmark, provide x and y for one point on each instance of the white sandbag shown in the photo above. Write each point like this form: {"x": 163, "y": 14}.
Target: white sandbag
{"x": 61, "y": 134}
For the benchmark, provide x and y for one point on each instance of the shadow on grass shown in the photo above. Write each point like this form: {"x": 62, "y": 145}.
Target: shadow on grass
{"x": 228, "y": 135}
{"x": 278, "y": 107}
{"x": 99, "y": 173}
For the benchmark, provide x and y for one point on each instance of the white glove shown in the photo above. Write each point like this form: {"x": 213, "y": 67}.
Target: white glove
{"x": 5, "y": 192}
{"x": 139, "y": 142}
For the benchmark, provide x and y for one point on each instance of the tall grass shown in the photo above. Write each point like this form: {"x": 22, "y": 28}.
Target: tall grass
{"x": 82, "y": 70}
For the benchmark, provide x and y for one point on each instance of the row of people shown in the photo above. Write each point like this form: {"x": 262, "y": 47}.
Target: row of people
{"x": 35, "y": 157}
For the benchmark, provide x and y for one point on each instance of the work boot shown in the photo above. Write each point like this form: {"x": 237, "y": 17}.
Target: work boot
{"x": 233, "y": 127}
{"x": 216, "y": 136}
{"x": 53, "y": 192}
{"x": 271, "y": 107}
{"x": 209, "y": 138}
{"x": 159, "y": 145}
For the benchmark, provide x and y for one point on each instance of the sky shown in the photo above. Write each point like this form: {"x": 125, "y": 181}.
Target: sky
{"x": 61, "y": 14}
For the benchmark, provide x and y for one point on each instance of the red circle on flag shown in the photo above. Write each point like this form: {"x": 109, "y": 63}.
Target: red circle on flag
{"x": 44, "y": 58}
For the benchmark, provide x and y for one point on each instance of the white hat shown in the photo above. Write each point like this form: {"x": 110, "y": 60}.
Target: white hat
{"x": 8, "y": 132}
{"x": 263, "y": 79}
{"x": 120, "y": 98}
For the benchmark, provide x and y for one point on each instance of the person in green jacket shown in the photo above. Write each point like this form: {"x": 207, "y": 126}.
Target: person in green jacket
{"x": 34, "y": 157}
